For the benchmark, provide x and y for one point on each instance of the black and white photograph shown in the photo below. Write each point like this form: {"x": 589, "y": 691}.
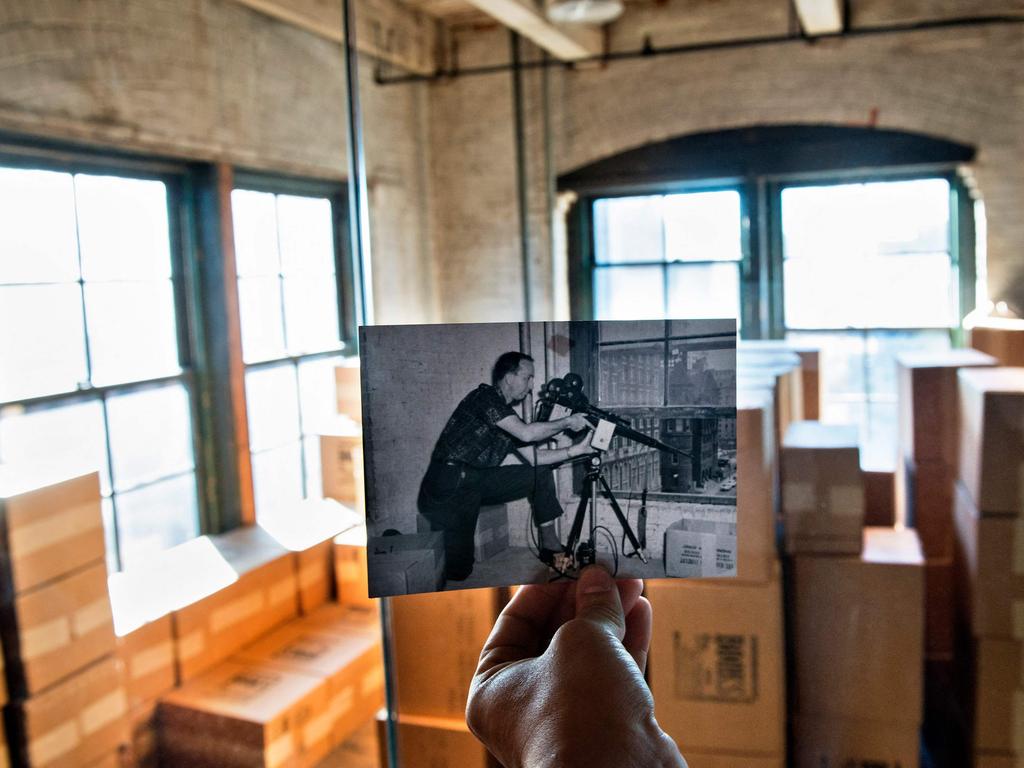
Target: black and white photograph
{"x": 502, "y": 454}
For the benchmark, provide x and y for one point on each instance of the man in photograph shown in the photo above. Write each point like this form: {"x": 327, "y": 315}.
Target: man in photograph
{"x": 466, "y": 469}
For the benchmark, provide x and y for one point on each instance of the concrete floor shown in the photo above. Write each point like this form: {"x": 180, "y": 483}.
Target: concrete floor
{"x": 518, "y": 565}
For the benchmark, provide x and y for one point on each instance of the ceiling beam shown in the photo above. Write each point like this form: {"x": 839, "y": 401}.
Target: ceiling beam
{"x": 820, "y": 17}
{"x": 385, "y": 29}
{"x": 526, "y": 18}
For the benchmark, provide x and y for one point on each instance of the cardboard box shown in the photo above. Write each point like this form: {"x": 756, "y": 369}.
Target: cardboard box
{"x": 341, "y": 464}
{"x": 405, "y": 563}
{"x": 307, "y": 529}
{"x": 810, "y": 365}
{"x": 360, "y": 750}
{"x": 756, "y": 487}
{"x": 491, "y": 536}
{"x": 990, "y": 557}
{"x": 350, "y": 662}
{"x": 434, "y": 742}
{"x": 982, "y": 760}
{"x": 147, "y": 654}
{"x": 928, "y": 493}
{"x": 927, "y": 403}
{"x": 346, "y": 378}
{"x": 82, "y": 718}
{"x": 822, "y": 491}
{"x": 940, "y": 609}
{"x": 716, "y": 666}
{"x": 821, "y": 742}
{"x": 110, "y": 760}
{"x": 1003, "y": 339}
{"x": 350, "y": 569}
{"x": 244, "y": 714}
{"x": 57, "y": 629}
{"x": 50, "y": 526}
{"x": 780, "y": 373}
{"x": 858, "y": 631}
{"x": 700, "y": 548}
{"x": 436, "y": 646}
{"x": 998, "y": 696}
{"x": 262, "y": 595}
{"x": 992, "y": 448}
{"x": 879, "y": 498}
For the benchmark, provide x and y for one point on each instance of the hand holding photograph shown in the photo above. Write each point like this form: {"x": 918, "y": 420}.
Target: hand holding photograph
{"x": 514, "y": 453}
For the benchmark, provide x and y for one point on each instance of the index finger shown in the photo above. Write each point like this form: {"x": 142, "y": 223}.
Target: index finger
{"x": 520, "y": 629}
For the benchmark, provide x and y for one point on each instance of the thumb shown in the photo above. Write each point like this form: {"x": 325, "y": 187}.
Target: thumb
{"x": 597, "y": 600}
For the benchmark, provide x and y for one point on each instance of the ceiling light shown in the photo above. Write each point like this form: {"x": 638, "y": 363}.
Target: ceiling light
{"x": 584, "y": 11}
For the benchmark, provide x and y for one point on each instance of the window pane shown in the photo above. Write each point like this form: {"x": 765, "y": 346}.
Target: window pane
{"x": 311, "y": 314}
{"x": 318, "y": 393}
{"x": 628, "y": 293}
{"x": 259, "y": 305}
{"x": 255, "y": 226}
{"x": 701, "y": 376}
{"x": 155, "y": 518}
{"x": 632, "y": 374}
{"x": 704, "y": 290}
{"x": 277, "y": 479}
{"x": 150, "y": 435}
{"x": 703, "y": 226}
{"x": 306, "y": 235}
{"x": 697, "y": 327}
{"x": 271, "y": 397}
{"x": 314, "y": 474}
{"x": 42, "y": 347}
{"x": 38, "y": 242}
{"x": 122, "y": 225}
{"x": 631, "y": 330}
{"x": 628, "y": 229}
{"x": 131, "y": 331}
{"x": 69, "y": 438}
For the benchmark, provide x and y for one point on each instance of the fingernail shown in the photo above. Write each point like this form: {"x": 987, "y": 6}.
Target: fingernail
{"x": 595, "y": 579}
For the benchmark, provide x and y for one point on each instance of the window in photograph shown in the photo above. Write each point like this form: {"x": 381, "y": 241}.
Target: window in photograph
{"x": 290, "y": 292}
{"x": 674, "y": 381}
{"x": 91, "y": 369}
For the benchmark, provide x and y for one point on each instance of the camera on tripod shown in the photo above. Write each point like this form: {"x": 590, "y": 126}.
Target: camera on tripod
{"x": 567, "y": 393}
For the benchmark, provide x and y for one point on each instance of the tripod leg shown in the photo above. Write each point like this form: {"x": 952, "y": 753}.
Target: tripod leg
{"x": 623, "y": 521}
{"x": 581, "y": 511}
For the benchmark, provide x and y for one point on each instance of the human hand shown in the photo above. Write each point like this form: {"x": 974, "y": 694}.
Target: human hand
{"x": 561, "y": 679}
{"x": 583, "y": 447}
{"x": 577, "y": 422}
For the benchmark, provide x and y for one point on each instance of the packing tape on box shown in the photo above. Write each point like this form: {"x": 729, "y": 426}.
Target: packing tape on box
{"x": 238, "y": 610}
{"x": 311, "y": 575}
{"x": 279, "y": 750}
{"x": 318, "y": 728}
{"x": 147, "y": 661}
{"x": 58, "y": 741}
{"x": 281, "y": 592}
{"x": 92, "y": 616}
{"x": 797, "y": 495}
{"x": 104, "y": 711}
{"x": 343, "y": 701}
{"x": 372, "y": 681}
{"x": 191, "y": 645}
{"x": 31, "y": 538}
{"x": 45, "y": 638}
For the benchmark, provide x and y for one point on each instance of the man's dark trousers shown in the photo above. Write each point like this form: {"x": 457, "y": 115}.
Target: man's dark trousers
{"x": 451, "y": 496}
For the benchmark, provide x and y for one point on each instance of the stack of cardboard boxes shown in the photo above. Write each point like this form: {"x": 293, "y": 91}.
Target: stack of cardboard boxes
{"x": 990, "y": 560}
{"x": 436, "y": 645}
{"x": 857, "y": 626}
{"x": 68, "y": 702}
{"x": 929, "y": 444}
{"x": 341, "y": 442}
{"x": 1001, "y": 338}
{"x": 717, "y": 662}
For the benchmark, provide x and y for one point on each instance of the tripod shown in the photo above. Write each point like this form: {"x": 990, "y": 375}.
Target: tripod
{"x": 593, "y": 485}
